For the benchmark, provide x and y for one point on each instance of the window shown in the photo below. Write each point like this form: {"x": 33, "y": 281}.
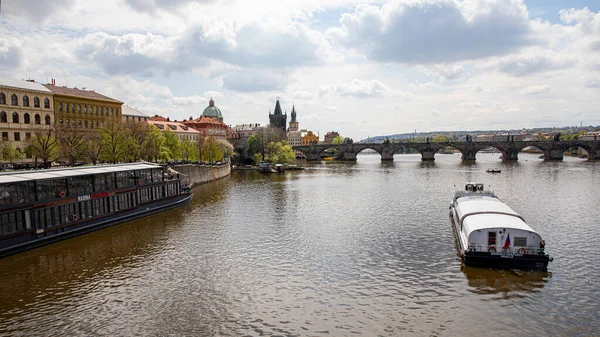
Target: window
{"x": 79, "y": 108}
{"x": 27, "y": 135}
{"x": 47, "y": 119}
{"x": 25, "y": 100}
{"x": 17, "y": 136}
{"x": 491, "y": 238}
{"x": 15, "y": 118}
{"x": 2, "y": 98}
{"x": 46, "y": 103}
{"x": 36, "y": 102}
{"x": 86, "y": 123}
{"x": 173, "y": 127}
{"x": 4, "y": 135}
{"x": 520, "y": 242}
{"x": 61, "y": 121}
{"x": 72, "y": 107}
{"x": 38, "y": 119}
{"x": 96, "y": 110}
{"x": 14, "y": 100}
{"x": 85, "y": 109}
{"x": 117, "y": 112}
{"x": 3, "y": 118}
{"x": 59, "y": 106}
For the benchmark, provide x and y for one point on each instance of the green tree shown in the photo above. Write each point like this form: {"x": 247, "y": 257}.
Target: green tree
{"x": 212, "y": 151}
{"x": 280, "y": 152}
{"x": 171, "y": 147}
{"x": 257, "y": 144}
{"x": 137, "y": 133}
{"x": 95, "y": 146}
{"x": 440, "y": 138}
{"x": 10, "y": 153}
{"x": 152, "y": 145}
{"x": 338, "y": 140}
{"x": 114, "y": 139}
{"x": 189, "y": 150}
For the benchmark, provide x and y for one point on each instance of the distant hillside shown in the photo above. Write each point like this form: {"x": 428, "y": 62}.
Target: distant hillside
{"x": 455, "y": 135}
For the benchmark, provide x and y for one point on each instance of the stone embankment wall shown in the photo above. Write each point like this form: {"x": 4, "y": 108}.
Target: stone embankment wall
{"x": 200, "y": 174}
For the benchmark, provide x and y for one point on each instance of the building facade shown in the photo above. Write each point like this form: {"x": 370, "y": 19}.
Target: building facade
{"x": 294, "y": 135}
{"x": 244, "y": 132}
{"x": 134, "y": 115}
{"x": 26, "y": 107}
{"x": 210, "y": 123}
{"x": 84, "y": 109}
{"x": 330, "y": 136}
{"x": 277, "y": 119}
{"x": 181, "y": 131}
{"x": 310, "y": 138}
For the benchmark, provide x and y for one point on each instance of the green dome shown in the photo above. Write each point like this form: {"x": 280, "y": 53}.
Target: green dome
{"x": 212, "y": 111}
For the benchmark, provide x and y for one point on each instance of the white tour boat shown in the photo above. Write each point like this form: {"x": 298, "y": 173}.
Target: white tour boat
{"x": 491, "y": 234}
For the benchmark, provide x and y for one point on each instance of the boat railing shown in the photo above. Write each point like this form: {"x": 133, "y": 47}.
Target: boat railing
{"x": 517, "y": 251}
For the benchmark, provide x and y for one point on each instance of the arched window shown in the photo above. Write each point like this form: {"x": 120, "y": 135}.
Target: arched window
{"x": 46, "y": 103}
{"x": 38, "y": 119}
{"x": 15, "y": 117}
{"x": 47, "y": 119}
{"x": 96, "y": 110}
{"x": 101, "y": 111}
{"x": 2, "y": 98}
{"x": 14, "y": 100}
{"x": 72, "y": 107}
{"x": 85, "y": 109}
{"x": 111, "y": 111}
{"x": 79, "y": 108}
{"x": 36, "y": 102}
{"x": 3, "y": 118}
{"x": 117, "y": 112}
{"x": 25, "y": 100}
{"x": 26, "y": 119}
{"x": 59, "y": 106}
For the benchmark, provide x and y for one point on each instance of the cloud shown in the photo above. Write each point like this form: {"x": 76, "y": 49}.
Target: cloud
{"x": 248, "y": 80}
{"x": 11, "y": 53}
{"x": 356, "y": 88}
{"x": 448, "y": 72}
{"x": 592, "y": 84}
{"x": 150, "y": 6}
{"x": 536, "y": 90}
{"x": 188, "y": 100}
{"x": 35, "y": 11}
{"x": 594, "y": 46}
{"x": 425, "y": 32}
{"x": 529, "y": 64}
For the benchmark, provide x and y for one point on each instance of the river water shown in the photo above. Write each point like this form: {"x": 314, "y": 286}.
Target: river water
{"x": 339, "y": 249}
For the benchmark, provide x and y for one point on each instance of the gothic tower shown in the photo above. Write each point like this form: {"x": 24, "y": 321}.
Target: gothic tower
{"x": 278, "y": 119}
{"x": 293, "y": 123}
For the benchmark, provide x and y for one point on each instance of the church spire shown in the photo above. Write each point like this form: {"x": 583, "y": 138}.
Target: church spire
{"x": 277, "y": 108}
{"x": 293, "y": 113}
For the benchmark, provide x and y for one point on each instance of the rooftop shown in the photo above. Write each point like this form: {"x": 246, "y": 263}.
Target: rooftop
{"x": 173, "y": 126}
{"x": 129, "y": 111}
{"x": 79, "y": 93}
{"x": 20, "y": 84}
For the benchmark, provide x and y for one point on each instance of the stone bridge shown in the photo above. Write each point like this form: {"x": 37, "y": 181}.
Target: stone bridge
{"x": 553, "y": 150}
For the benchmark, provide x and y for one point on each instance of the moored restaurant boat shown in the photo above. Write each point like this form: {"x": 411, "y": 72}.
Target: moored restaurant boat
{"x": 41, "y": 207}
{"x": 490, "y": 234}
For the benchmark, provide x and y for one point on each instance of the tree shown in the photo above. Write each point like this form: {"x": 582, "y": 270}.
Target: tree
{"x": 280, "y": 152}
{"x": 114, "y": 139}
{"x": 137, "y": 133}
{"x": 73, "y": 142}
{"x": 439, "y": 139}
{"x": 338, "y": 140}
{"x": 43, "y": 145}
{"x": 211, "y": 150}
{"x": 171, "y": 147}
{"x": 95, "y": 146}
{"x": 10, "y": 153}
{"x": 257, "y": 143}
{"x": 189, "y": 150}
{"x": 152, "y": 145}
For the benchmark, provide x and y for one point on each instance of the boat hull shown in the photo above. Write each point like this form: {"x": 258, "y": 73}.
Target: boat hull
{"x": 33, "y": 239}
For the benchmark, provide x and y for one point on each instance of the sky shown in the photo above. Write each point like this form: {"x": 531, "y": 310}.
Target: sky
{"x": 361, "y": 68}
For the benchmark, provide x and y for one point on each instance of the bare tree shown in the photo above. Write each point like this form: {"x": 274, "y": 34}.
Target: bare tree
{"x": 95, "y": 146}
{"x": 44, "y": 145}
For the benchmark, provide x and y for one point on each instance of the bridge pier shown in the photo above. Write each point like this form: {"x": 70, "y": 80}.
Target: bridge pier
{"x": 427, "y": 155}
{"x": 510, "y": 155}
{"x": 348, "y": 156}
{"x": 468, "y": 155}
{"x": 594, "y": 154}
{"x": 386, "y": 156}
{"x": 554, "y": 154}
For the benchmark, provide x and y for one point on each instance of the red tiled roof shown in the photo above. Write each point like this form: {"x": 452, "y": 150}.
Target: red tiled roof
{"x": 203, "y": 120}
{"x": 158, "y": 118}
{"x": 78, "y": 92}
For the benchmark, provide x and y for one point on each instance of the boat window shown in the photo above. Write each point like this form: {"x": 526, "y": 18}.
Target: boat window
{"x": 50, "y": 189}
{"x": 104, "y": 182}
{"x": 491, "y": 238}
{"x": 125, "y": 179}
{"x": 80, "y": 185}
{"x": 16, "y": 193}
{"x": 479, "y": 187}
{"x": 12, "y": 222}
{"x": 520, "y": 242}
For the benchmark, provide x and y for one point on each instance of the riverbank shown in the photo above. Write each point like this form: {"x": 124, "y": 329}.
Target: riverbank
{"x": 199, "y": 174}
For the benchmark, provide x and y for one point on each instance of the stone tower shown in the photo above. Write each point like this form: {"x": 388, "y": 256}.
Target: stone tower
{"x": 278, "y": 119}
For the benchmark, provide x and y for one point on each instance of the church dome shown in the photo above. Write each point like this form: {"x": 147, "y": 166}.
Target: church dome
{"x": 212, "y": 111}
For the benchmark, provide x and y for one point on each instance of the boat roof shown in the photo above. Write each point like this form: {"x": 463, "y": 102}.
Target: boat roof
{"x": 24, "y": 176}
{"x": 477, "y": 212}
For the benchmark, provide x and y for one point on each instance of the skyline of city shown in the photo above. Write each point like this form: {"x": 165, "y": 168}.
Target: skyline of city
{"x": 362, "y": 68}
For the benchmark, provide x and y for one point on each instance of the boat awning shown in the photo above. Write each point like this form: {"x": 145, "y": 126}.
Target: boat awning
{"x": 24, "y": 176}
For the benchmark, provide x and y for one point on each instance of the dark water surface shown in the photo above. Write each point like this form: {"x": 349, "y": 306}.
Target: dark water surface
{"x": 339, "y": 249}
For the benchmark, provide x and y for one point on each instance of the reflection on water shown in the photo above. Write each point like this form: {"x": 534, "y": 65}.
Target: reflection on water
{"x": 506, "y": 283}
{"x": 342, "y": 249}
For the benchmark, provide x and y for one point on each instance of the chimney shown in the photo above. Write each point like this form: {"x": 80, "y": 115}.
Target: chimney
{"x": 168, "y": 120}
{"x": 53, "y": 81}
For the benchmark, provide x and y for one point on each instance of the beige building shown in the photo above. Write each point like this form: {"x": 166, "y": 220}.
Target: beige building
{"x": 180, "y": 130}
{"x": 25, "y": 107}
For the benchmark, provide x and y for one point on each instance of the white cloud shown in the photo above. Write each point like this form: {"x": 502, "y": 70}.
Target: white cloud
{"x": 536, "y": 61}
{"x": 445, "y": 71}
{"x": 454, "y": 31}
{"x": 536, "y": 90}
{"x": 357, "y": 88}
{"x": 188, "y": 100}
{"x": 254, "y": 80}
{"x": 11, "y": 53}
{"x": 592, "y": 84}
{"x": 34, "y": 11}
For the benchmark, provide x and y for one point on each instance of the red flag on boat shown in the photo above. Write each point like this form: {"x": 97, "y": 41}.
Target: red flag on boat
{"x": 507, "y": 242}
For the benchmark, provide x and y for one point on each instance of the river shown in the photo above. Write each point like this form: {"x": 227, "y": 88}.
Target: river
{"x": 339, "y": 249}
